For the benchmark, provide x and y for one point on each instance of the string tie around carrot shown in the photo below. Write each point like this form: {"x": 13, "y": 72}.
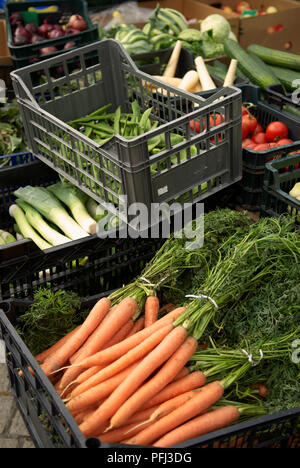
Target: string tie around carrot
{"x": 203, "y": 296}
{"x": 250, "y": 357}
{"x": 156, "y": 286}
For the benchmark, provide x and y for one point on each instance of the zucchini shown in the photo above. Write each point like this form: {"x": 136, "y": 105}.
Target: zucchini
{"x": 220, "y": 66}
{"x": 276, "y": 57}
{"x": 286, "y": 77}
{"x": 291, "y": 110}
{"x": 257, "y": 74}
{"x": 216, "y": 71}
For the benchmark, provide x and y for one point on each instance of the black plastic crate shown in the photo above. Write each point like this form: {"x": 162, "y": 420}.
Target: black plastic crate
{"x": 250, "y": 186}
{"x": 44, "y": 412}
{"x": 30, "y": 53}
{"x": 280, "y": 178}
{"x": 122, "y": 172}
{"x": 91, "y": 264}
{"x": 275, "y": 96}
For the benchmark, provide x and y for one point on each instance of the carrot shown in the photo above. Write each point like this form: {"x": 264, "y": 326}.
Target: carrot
{"x": 138, "y": 326}
{"x": 125, "y": 310}
{"x": 167, "y": 308}
{"x": 203, "y": 424}
{"x": 151, "y": 310}
{"x": 121, "y": 334}
{"x": 148, "y": 365}
{"x": 203, "y": 400}
{"x": 114, "y": 352}
{"x": 129, "y": 358}
{"x": 56, "y": 360}
{"x": 117, "y": 435}
{"x": 87, "y": 374}
{"x": 190, "y": 382}
{"x": 97, "y": 332}
{"x": 165, "y": 375}
{"x": 182, "y": 373}
{"x": 97, "y": 393}
{"x": 42, "y": 356}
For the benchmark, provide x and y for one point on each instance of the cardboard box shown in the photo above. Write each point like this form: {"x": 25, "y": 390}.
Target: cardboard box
{"x": 193, "y": 9}
{"x": 6, "y": 63}
{"x": 261, "y": 29}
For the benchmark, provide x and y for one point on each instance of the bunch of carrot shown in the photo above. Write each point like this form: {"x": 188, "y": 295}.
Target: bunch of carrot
{"x": 126, "y": 381}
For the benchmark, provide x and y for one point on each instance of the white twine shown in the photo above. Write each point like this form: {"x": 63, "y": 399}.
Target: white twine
{"x": 250, "y": 357}
{"x": 159, "y": 282}
{"x": 203, "y": 296}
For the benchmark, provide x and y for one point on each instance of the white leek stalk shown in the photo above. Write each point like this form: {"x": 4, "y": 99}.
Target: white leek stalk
{"x": 26, "y": 230}
{"x": 71, "y": 197}
{"x": 37, "y": 222}
{"x": 51, "y": 208}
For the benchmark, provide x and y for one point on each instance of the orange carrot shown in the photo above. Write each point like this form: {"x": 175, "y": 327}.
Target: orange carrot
{"x": 148, "y": 365}
{"x": 111, "y": 354}
{"x": 165, "y": 375}
{"x": 121, "y": 334}
{"x": 190, "y": 382}
{"x": 122, "y": 313}
{"x": 140, "y": 351}
{"x": 94, "y": 336}
{"x": 58, "y": 359}
{"x": 117, "y": 435}
{"x": 87, "y": 374}
{"x": 182, "y": 373}
{"x": 42, "y": 356}
{"x": 97, "y": 393}
{"x": 203, "y": 424}
{"x": 151, "y": 310}
{"x": 138, "y": 326}
{"x": 167, "y": 308}
{"x": 172, "y": 404}
{"x": 203, "y": 400}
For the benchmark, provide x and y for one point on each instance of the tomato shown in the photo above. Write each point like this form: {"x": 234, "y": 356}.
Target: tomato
{"x": 246, "y": 142}
{"x": 195, "y": 128}
{"x": 245, "y": 131}
{"x": 259, "y": 138}
{"x": 250, "y": 121}
{"x": 276, "y": 131}
{"x": 216, "y": 119}
{"x": 284, "y": 141}
{"x": 262, "y": 147}
{"x": 244, "y": 111}
{"x": 258, "y": 129}
{"x": 251, "y": 146}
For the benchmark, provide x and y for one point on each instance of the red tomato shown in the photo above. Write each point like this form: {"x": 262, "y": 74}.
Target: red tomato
{"x": 250, "y": 121}
{"x": 246, "y": 142}
{"x": 284, "y": 141}
{"x": 193, "y": 127}
{"x": 258, "y": 129}
{"x": 244, "y": 111}
{"x": 259, "y": 138}
{"x": 245, "y": 130}
{"x": 276, "y": 131}
{"x": 216, "y": 119}
{"x": 262, "y": 147}
{"x": 251, "y": 146}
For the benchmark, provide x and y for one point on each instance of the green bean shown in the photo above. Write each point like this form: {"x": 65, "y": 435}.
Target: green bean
{"x": 117, "y": 120}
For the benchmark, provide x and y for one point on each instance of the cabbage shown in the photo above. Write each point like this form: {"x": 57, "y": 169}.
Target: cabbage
{"x": 218, "y": 26}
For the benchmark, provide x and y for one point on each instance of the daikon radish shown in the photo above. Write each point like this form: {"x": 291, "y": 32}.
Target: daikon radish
{"x": 173, "y": 60}
{"x": 204, "y": 77}
{"x": 189, "y": 81}
{"x": 230, "y": 76}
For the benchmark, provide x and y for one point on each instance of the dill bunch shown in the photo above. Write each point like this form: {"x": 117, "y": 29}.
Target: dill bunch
{"x": 50, "y": 317}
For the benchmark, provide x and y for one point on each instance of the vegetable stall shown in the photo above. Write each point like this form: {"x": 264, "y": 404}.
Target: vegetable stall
{"x": 128, "y": 331}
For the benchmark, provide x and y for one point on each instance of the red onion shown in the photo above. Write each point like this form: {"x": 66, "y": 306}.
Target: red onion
{"x": 32, "y": 28}
{"x": 72, "y": 31}
{"x": 70, "y": 45}
{"x": 55, "y": 33}
{"x": 44, "y": 29}
{"x": 77, "y": 22}
{"x": 21, "y": 36}
{"x": 37, "y": 38}
{"x": 16, "y": 19}
{"x": 48, "y": 50}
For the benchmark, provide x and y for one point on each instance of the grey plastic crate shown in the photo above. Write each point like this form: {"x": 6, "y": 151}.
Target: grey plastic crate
{"x": 122, "y": 172}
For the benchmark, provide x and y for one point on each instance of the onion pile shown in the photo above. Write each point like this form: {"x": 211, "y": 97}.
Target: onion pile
{"x": 31, "y": 34}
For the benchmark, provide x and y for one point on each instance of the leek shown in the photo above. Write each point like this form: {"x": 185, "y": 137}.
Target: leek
{"x": 36, "y": 221}
{"x": 7, "y": 237}
{"x": 73, "y": 198}
{"x": 96, "y": 211}
{"x": 26, "y": 230}
{"x": 51, "y": 208}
